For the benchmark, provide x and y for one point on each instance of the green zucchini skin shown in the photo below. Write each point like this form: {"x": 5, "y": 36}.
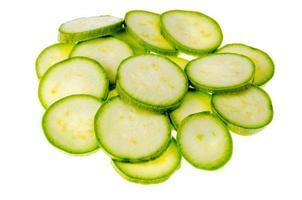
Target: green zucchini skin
{"x": 123, "y": 158}
{"x": 137, "y": 102}
{"x": 76, "y": 37}
{"x": 183, "y": 48}
{"x": 256, "y": 80}
{"x": 217, "y": 164}
{"x": 238, "y": 128}
{"x": 171, "y": 51}
{"x": 159, "y": 179}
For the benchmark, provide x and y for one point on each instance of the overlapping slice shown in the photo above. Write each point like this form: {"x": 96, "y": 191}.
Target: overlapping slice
{"x": 204, "y": 141}
{"x": 109, "y": 52}
{"x": 194, "y": 102}
{"x": 220, "y": 72}
{"x": 128, "y": 133}
{"x": 77, "y": 75}
{"x": 245, "y": 112}
{"x": 181, "y": 62}
{"x": 151, "y": 81}
{"x": 264, "y": 65}
{"x": 152, "y": 171}
{"x": 191, "y": 32}
{"x": 86, "y": 28}
{"x": 129, "y": 39}
{"x": 145, "y": 27}
{"x": 68, "y": 124}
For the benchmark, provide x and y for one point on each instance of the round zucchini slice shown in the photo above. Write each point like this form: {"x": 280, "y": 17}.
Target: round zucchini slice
{"x": 194, "y": 102}
{"x": 220, "y": 72}
{"x": 152, "y": 171}
{"x": 129, "y": 133}
{"x": 68, "y": 124}
{"x": 246, "y": 112}
{"x": 86, "y": 28}
{"x": 191, "y": 32}
{"x": 264, "y": 65}
{"x": 204, "y": 141}
{"x": 77, "y": 75}
{"x": 151, "y": 81}
{"x": 181, "y": 62}
{"x": 52, "y": 55}
{"x": 109, "y": 52}
{"x": 145, "y": 27}
{"x": 126, "y": 37}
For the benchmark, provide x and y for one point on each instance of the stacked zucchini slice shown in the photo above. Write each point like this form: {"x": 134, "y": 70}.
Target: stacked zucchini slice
{"x": 124, "y": 85}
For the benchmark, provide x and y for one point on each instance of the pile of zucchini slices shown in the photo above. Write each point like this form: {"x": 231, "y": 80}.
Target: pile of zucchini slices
{"x": 122, "y": 86}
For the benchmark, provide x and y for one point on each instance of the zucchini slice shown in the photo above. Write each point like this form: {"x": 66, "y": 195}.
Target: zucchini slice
{"x": 145, "y": 27}
{"x": 151, "y": 81}
{"x": 68, "y": 124}
{"x": 113, "y": 93}
{"x": 109, "y": 52}
{"x": 77, "y": 75}
{"x": 128, "y": 133}
{"x": 204, "y": 141}
{"x": 126, "y": 37}
{"x": 194, "y": 102}
{"x": 152, "y": 171}
{"x": 86, "y": 28}
{"x": 246, "y": 112}
{"x": 191, "y": 32}
{"x": 52, "y": 55}
{"x": 264, "y": 65}
{"x": 220, "y": 72}
{"x": 181, "y": 62}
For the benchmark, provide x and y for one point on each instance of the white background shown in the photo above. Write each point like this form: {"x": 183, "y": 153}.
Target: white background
{"x": 264, "y": 166}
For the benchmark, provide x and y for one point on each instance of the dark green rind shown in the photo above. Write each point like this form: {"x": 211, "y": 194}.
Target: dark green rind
{"x": 39, "y": 75}
{"x": 52, "y": 142}
{"x": 124, "y": 158}
{"x": 143, "y": 43}
{"x": 240, "y": 129}
{"x": 67, "y": 60}
{"x": 65, "y": 37}
{"x": 156, "y": 180}
{"x": 185, "y": 48}
{"x": 157, "y": 108}
{"x": 261, "y": 52}
{"x": 209, "y": 166}
{"x": 205, "y": 88}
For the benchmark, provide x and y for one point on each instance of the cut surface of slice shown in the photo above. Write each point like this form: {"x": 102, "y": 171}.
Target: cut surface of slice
{"x": 86, "y": 28}
{"x": 68, "y": 124}
{"x": 145, "y": 27}
{"x": 130, "y": 133}
{"x": 264, "y": 65}
{"x": 191, "y": 32}
{"x": 76, "y": 75}
{"x": 129, "y": 39}
{"x": 204, "y": 141}
{"x": 219, "y": 72}
{"x": 181, "y": 62}
{"x": 249, "y": 109}
{"x": 151, "y": 81}
{"x": 109, "y": 52}
{"x": 193, "y": 102}
{"x": 152, "y": 171}
{"x": 52, "y": 55}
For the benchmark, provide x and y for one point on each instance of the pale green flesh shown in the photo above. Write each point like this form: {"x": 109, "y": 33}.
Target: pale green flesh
{"x": 68, "y": 124}
{"x": 193, "y": 102}
{"x": 181, "y": 62}
{"x": 52, "y": 55}
{"x": 191, "y": 31}
{"x": 264, "y": 66}
{"x": 152, "y": 80}
{"x": 158, "y": 168}
{"x": 113, "y": 93}
{"x": 249, "y": 108}
{"x": 136, "y": 134}
{"x": 204, "y": 141}
{"x": 109, "y": 52}
{"x": 146, "y": 26}
{"x": 220, "y": 71}
{"x": 126, "y": 37}
{"x": 73, "y": 76}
